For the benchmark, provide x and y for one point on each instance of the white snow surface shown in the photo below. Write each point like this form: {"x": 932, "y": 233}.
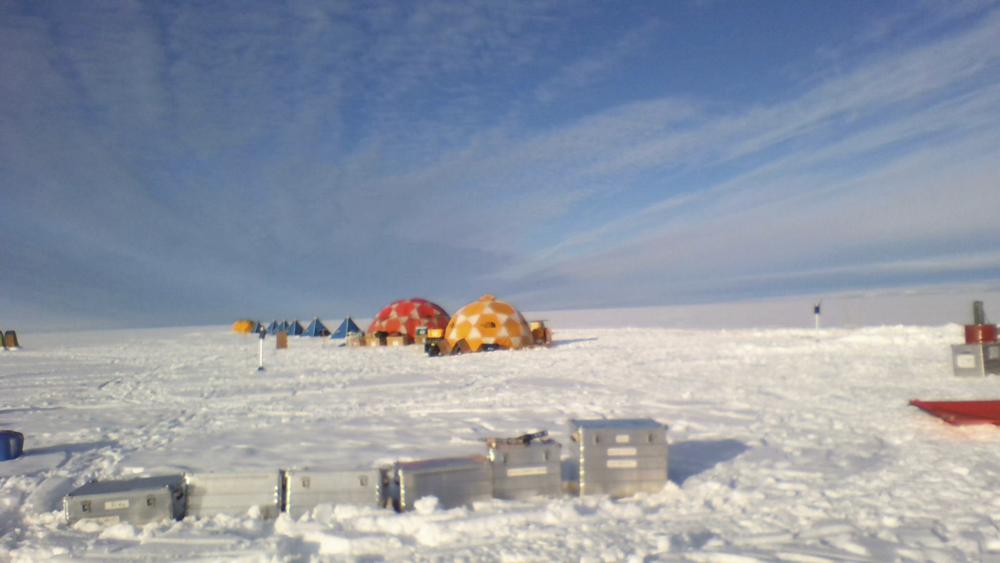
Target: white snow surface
{"x": 785, "y": 444}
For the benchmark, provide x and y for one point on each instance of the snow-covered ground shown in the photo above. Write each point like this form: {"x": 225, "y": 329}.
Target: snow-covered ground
{"x": 785, "y": 444}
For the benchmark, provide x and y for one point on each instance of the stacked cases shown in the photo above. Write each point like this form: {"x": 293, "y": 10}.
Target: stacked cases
{"x": 619, "y": 457}
{"x": 615, "y": 457}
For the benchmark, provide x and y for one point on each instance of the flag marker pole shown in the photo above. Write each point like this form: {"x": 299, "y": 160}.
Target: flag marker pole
{"x": 260, "y": 361}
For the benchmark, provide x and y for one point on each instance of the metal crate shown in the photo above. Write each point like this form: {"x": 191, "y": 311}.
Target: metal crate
{"x": 619, "y": 457}
{"x": 456, "y": 481}
{"x": 134, "y": 501}
{"x": 234, "y": 493}
{"x": 307, "y": 489}
{"x": 398, "y": 340}
{"x": 525, "y": 466}
{"x": 975, "y": 359}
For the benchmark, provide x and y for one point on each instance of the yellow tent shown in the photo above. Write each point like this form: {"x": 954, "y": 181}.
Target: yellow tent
{"x": 244, "y": 326}
{"x": 488, "y": 323}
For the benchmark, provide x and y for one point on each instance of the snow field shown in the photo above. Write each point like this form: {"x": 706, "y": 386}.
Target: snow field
{"x": 785, "y": 444}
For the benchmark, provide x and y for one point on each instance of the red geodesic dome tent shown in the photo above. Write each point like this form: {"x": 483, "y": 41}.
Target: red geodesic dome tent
{"x": 407, "y": 315}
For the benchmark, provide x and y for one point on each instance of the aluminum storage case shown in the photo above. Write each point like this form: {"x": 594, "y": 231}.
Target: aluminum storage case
{"x": 975, "y": 359}
{"x": 619, "y": 457}
{"x": 455, "y": 481}
{"x": 209, "y": 494}
{"x": 398, "y": 340}
{"x": 11, "y": 444}
{"x": 306, "y": 489}
{"x": 525, "y": 466}
{"x": 134, "y": 501}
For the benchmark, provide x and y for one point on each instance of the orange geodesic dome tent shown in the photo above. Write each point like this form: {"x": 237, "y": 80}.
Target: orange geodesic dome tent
{"x": 488, "y": 322}
{"x": 406, "y": 316}
{"x": 244, "y": 326}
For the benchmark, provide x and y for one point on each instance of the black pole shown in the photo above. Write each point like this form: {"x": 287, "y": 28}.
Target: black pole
{"x": 978, "y": 315}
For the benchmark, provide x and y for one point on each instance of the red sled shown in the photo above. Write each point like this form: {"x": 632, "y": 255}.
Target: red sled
{"x": 962, "y": 412}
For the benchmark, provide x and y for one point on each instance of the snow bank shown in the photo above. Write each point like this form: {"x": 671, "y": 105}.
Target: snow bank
{"x": 785, "y": 444}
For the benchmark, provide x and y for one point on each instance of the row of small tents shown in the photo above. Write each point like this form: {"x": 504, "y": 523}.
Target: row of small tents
{"x": 294, "y": 328}
{"x": 485, "y": 324}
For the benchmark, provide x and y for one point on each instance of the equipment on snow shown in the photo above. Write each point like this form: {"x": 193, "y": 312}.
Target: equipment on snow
{"x": 980, "y": 355}
{"x": 455, "y": 481}
{"x": 619, "y": 457}
{"x": 525, "y": 466}
{"x": 962, "y": 412}
{"x": 135, "y": 501}
{"x": 307, "y": 489}
{"x": 11, "y": 444}
{"x": 234, "y": 493}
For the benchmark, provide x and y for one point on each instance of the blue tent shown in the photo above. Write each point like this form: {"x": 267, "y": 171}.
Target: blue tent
{"x": 259, "y": 328}
{"x": 273, "y": 327}
{"x": 295, "y": 328}
{"x": 316, "y": 328}
{"x": 345, "y": 328}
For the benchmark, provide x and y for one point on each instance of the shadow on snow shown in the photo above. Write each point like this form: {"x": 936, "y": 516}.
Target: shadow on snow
{"x": 688, "y": 459}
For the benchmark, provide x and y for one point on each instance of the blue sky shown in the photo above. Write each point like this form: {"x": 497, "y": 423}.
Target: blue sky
{"x": 183, "y": 163}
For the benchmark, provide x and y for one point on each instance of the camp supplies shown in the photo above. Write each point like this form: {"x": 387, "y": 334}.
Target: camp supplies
{"x": 134, "y": 501}
{"x": 540, "y": 333}
{"x": 11, "y": 444}
{"x": 421, "y": 335}
{"x": 234, "y": 493}
{"x": 525, "y": 466}
{"x": 434, "y": 342}
{"x": 980, "y": 332}
{"x": 455, "y": 481}
{"x": 980, "y": 355}
{"x": 397, "y": 340}
{"x": 306, "y": 489}
{"x": 975, "y": 359}
{"x": 962, "y": 413}
{"x": 619, "y": 457}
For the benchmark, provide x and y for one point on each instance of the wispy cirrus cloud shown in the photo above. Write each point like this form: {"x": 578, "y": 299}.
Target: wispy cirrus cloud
{"x": 598, "y": 65}
{"x": 838, "y": 172}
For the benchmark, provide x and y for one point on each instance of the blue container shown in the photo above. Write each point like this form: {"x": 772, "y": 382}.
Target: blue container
{"x": 11, "y": 444}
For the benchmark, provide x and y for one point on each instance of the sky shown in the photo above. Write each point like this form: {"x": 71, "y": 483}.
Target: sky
{"x": 171, "y": 163}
